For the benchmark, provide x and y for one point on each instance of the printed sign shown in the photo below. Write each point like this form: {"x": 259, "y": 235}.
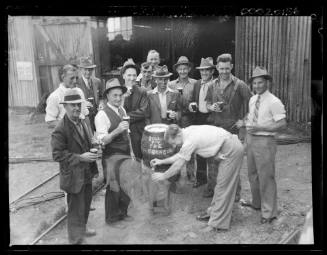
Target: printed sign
{"x": 24, "y": 71}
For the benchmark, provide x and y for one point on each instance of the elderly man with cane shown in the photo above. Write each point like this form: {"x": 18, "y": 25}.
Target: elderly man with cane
{"x": 224, "y": 147}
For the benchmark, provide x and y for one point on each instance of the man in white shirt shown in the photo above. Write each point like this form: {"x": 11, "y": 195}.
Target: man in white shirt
{"x": 56, "y": 111}
{"x": 220, "y": 145}
{"x": 112, "y": 130}
{"x": 266, "y": 116}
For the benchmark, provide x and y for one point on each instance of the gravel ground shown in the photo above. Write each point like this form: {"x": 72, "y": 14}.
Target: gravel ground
{"x": 293, "y": 174}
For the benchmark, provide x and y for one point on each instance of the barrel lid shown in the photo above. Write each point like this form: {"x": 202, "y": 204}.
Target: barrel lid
{"x": 156, "y": 128}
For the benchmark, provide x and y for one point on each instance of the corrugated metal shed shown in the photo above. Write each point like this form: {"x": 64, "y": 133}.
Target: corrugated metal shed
{"x": 283, "y": 46}
{"x": 21, "y": 49}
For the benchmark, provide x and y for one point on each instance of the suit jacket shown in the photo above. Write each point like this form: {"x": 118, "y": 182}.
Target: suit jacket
{"x": 97, "y": 87}
{"x": 173, "y": 103}
{"x": 67, "y": 144}
{"x": 136, "y": 106}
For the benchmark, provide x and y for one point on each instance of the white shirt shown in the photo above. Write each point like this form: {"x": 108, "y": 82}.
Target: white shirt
{"x": 163, "y": 100}
{"x": 204, "y": 140}
{"x": 271, "y": 110}
{"x": 102, "y": 122}
{"x": 56, "y": 111}
{"x": 86, "y": 82}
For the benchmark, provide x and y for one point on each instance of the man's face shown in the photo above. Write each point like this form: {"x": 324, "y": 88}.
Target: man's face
{"x": 177, "y": 142}
{"x": 206, "y": 74}
{"x": 224, "y": 69}
{"x": 86, "y": 72}
{"x": 154, "y": 59}
{"x": 161, "y": 83}
{"x": 114, "y": 97}
{"x": 130, "y": 76}
{"x": 73, "y": 110}
{"x": 146, "y": 73}
{"x": 183, "y": 71}
{"x": 70, "y": 79}
{"x": 260, "y": 85}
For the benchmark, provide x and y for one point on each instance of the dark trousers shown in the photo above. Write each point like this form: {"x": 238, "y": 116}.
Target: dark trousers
{"x": 116, "y": 205}
{"x": 201, "y": 171}
{"x": 136, "y": 137}
{"x": 78, "y": 213}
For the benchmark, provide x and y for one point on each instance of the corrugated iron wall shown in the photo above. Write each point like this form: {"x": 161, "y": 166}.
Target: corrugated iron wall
{"x": 21, "y": 48}
{"x": 283, "y": 46}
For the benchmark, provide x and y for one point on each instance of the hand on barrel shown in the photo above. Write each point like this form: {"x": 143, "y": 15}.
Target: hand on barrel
{"x": 155, "y": 162}
{"x": 172, "y": 115}
{"x": 88, "y": 157}
{"x": 123, "y": 126}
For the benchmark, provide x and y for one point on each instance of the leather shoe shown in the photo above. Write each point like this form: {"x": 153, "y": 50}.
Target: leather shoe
{"x": 208, "y": 193}
{"x": 197, "y": 184}
{"x": 90, "y": 232}
{"x": 248, "y": 204}
{"x": 203, "y": 217}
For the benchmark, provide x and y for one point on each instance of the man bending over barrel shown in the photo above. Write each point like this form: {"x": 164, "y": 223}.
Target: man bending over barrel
{"x": 222, "y": 146}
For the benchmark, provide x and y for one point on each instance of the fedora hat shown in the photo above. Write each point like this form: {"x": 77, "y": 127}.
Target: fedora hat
{"x": 206, "y": 63}
{"x": 161, "y": 71}
{"x": 113, "y": 84}
{"x": 260, "y": 72}
{"x": 85, "y": 63}
{"x": 72, "y": 96}
{"x": 182, "y": 61}
{"x": 128, "y": 63}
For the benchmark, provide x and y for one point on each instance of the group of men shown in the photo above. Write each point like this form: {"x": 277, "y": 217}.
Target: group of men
{"x": 204, "y": 118}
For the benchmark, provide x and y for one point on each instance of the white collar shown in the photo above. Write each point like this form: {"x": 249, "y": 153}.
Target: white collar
{"x": 264, "y": 94}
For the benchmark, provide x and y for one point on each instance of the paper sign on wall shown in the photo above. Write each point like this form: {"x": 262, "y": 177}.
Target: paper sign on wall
{"x": 24, "y": 70}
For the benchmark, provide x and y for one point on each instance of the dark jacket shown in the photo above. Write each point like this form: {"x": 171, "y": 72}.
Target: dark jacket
{"x": 173, "y": 103}
{"x": 67, "y": 144}
{"x": 97, "y": 89}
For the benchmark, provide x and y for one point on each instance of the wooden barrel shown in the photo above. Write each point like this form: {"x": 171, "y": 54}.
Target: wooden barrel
{"x": 154, "y": 146}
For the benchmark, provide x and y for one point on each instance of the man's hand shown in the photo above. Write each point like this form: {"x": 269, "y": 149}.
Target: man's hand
{"x": 88, "y": 104}
{"x": 212, "y": 107}
{"x": 158, "y": 177}
{"x": 124, "y": 125}
{"x": 155, "y": 162}
{"x": 172, "y": 115}
{"x": 190, "y": 108}
{"x": 239, "y": 124}
{"x": 88, "y": 157}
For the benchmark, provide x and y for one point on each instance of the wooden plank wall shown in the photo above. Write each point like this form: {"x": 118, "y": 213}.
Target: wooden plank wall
{"x": 283, "y": 46}
{"x": 21, "y": 48}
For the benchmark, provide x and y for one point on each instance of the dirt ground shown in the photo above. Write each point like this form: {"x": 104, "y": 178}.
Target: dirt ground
{"x": 293, "y": 175}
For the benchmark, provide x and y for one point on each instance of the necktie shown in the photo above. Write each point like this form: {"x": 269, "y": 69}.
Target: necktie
{"x": 121, "y": 112}
{"x": 89, "y": 81}
{"x": 80, "y": 129}
{"x": 256, "y": 110}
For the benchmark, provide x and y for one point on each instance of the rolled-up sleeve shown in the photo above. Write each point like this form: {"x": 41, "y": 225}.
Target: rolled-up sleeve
{"x": 102, "y": 124}
{"x": 278, "y": 110}
{"x": 186, "y": 151}
{"x": 52, "y": 109}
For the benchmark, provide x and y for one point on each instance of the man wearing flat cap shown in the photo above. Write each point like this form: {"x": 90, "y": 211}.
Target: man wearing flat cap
{"x": 92, "y": 87}
{"x": 266, "y": 116}
{"x": 201, "y": 86}
{"x": 185, "y": 86}
{"x": 112, "y": 130}
{"x": 71, "y": 144}
{"x": 164, "y": 103}
{"x": 136, "y": 105}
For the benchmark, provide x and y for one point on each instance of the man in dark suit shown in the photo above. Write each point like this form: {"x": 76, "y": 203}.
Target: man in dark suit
{"x": 199, "y": 95}
{"x": 71, "y": 144}
{"x": 164, "y": 103}
{"x": 92, "y": 87}
{"x": 135, "y": 104}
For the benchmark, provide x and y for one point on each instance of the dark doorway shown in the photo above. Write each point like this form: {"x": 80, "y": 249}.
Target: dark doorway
{"x": 194, "y": 37}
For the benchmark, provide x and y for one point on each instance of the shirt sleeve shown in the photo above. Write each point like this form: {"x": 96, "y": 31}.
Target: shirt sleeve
{"x": 102, "y": 124}
{"x": 186, "y": 151}
{"x": 278, "y": 110}
{"x": 52, "y": 109}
